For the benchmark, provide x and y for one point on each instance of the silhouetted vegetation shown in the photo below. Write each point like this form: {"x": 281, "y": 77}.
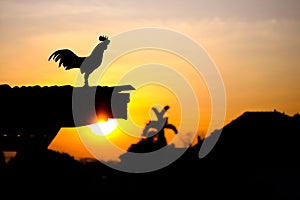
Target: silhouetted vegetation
{"x": 154, "y": 133}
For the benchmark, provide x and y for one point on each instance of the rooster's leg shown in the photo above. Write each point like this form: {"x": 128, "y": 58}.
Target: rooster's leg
{"x": 86, "y": 79}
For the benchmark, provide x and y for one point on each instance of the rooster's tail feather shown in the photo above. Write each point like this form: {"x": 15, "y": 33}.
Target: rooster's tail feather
{"x": 66, "y": 58}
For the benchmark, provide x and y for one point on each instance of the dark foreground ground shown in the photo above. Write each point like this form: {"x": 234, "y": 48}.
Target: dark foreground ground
{"x": 256, "y": 157}
{"x": 53, "y": 174}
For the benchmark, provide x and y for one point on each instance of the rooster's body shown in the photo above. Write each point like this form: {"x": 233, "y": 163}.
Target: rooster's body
{"x": 69, "y": 60}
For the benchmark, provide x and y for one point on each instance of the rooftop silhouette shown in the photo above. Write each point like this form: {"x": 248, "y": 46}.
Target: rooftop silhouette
{"x": 33, "y": 115}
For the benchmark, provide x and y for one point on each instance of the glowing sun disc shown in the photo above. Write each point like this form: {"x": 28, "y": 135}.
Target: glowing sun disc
{"x": 104, "y": 128}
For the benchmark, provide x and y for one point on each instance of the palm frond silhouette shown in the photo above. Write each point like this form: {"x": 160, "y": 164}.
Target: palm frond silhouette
{"x": 160, "y": 124}
{"x": 154, "y": 133}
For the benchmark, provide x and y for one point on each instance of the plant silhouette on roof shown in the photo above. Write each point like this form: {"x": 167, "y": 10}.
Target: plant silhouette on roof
{"x": 154, "y": 133}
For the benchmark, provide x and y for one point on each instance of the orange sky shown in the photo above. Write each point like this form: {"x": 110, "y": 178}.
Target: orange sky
{"x": 254, "y": 44}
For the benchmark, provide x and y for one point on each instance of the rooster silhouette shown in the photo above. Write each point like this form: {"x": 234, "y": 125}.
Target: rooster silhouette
{"x": 69, "y": 60}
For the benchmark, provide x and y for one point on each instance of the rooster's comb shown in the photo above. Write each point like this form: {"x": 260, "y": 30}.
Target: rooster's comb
{"x": 103, "y": 37}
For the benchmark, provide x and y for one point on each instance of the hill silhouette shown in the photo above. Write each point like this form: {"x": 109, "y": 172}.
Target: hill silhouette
{"x": 256, "y": 157}
{"x": 260, "y": 140}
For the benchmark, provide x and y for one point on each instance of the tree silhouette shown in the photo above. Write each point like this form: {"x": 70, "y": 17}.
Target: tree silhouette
{"x": 2, "y": 159}
{"x": 154, "y": 133}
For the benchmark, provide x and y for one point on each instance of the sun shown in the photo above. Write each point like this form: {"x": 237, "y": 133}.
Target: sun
{"x": 103, "y": 128}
